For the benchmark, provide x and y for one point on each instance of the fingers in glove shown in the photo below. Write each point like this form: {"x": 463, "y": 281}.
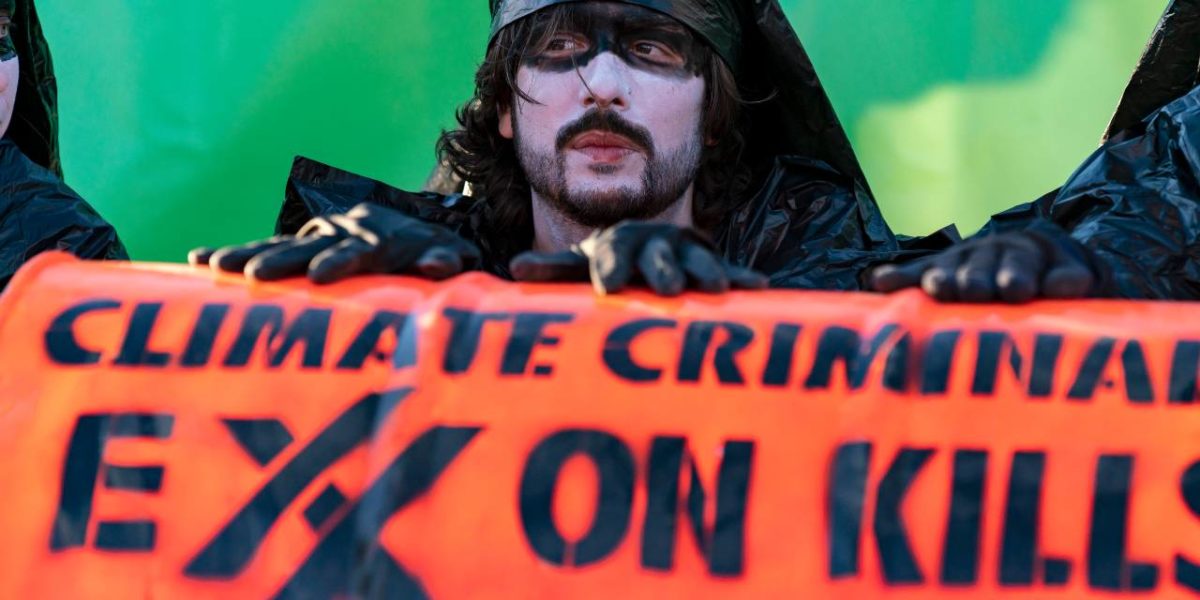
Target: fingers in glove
{"x": 288, "y": 260}
{"x": 939, "y": 278}
{"x": 1020, "y": 271}
{"x": 746, "y": 279}
{"x": 233, "y": 259}
{"x": 199, "y": 257}
{"x": 661, "y": 268}
{"x": 1067, "y": 277}
{"x": 612, "y": 256}
{"x": 438, "y": 263}
{"x": 889, "y": 278}
{"x": 976, "y": 276}
{"x": 542, "y": 266}
{"x": 339, "y": 261}
{"x": 704, "y": 268}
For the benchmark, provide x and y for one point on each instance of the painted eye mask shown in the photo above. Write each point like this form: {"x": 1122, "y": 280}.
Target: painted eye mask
{"x": 7, "y": 50}
{"x": 642, "y": 38}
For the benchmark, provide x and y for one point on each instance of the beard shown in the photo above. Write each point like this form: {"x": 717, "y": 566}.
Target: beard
{"x": 664, "y": 181}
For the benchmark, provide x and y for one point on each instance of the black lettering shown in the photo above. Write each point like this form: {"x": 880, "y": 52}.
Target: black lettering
{"x": 722, "y": 544}
{"x": 844, "y": 501}
{"x": 1184, "y": 363}
{"x": 258, "y": 318}
{"x": 1187, "y": 571}
{"x": 1138, "y": 386}
{"x": 465, "y": 333}
{"x": 79, "y": 482}
{"x": 987, "y": 361}
{"x": 1022, "y": 518}
{"x": 698, "y": 339}
{"x": 261, "y": 439}
{"x": 960, "y": 553}
{"x": 895, "y": 369}
{"x": 1092, "y": 369}
{"x": 336, "y": 567}
{"x": 134, "y": 350}
{"x": 81, "y": 469}
{"x": 232, "y": 548}
{"x": 618, "y": 356}
{"x": 309, "y": 328}
{"x": 529, "y": 332}
{"x": 614, "y": 503}
{"x": 126, "y": 536}
{"x": 891, "y": 535}
{"x": 937, "y": 361}
{"x": 839, "y": 344}
{"x": 61, "y": 344}
{"x": 1046, "y": 349}
{"x": 778, "y": 372}
{"x": 200, "y": 344}
{"x": 366, "y": 343}
{"x": 145, "y": 480}
{"x": 1108, "y": 565}
{"x": 1056, "y": 571}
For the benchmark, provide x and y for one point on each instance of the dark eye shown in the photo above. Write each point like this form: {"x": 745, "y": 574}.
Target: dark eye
{"x": 564, "y": 45}
{"x": 656, "y": 52}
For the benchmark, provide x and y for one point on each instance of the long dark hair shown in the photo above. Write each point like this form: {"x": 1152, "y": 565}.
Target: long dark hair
{"x": 488, "y": 161}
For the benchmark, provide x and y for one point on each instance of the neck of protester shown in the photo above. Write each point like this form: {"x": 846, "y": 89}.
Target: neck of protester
{"x": 555, "y": 232}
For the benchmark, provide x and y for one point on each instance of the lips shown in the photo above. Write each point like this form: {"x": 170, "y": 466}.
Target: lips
{"x": 603, "y": 146}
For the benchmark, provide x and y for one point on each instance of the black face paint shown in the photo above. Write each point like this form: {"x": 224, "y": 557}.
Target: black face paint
{"x": 716, "y": 22}
{"x": 644, "y": 39}
{"x": 7, "y": 50}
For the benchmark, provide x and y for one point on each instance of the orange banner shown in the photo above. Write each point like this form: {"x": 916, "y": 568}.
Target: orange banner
{"x": 172, "y": 433}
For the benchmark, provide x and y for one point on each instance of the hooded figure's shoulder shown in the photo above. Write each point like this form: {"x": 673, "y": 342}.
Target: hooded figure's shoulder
{"x": 315, "y": 189}
{"x": 39, "y": 212}
{"x": 808, "y": 226}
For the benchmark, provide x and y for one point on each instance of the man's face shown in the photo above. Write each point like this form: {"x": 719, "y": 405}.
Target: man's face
{"x": 10, "y": 71}
{"x": 616, "y": 129}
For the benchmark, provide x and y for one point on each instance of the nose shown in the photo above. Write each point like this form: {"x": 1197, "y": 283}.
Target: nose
{"x": 605, "y": 83}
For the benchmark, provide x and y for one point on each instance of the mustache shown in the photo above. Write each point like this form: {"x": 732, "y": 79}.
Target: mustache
{"x": 605, "y": 120}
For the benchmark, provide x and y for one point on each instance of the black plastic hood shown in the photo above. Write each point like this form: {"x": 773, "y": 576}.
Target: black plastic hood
{"x": 34, "y": 126}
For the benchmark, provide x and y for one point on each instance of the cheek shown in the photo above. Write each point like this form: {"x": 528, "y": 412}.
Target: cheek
{"x": 539, "y": 122}
{"x": 675, "y": 107}
{"x": 10, "y": 74}
{"x": 10, "y": 70}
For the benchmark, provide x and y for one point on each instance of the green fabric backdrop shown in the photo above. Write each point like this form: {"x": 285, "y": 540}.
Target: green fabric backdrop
{"x": 180, "y": 120}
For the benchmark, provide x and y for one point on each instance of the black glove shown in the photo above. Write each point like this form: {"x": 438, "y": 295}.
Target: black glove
{"x": 667, "y": 258}
{"x": 368, "y": 239}
{"x": 1012, "y": 267}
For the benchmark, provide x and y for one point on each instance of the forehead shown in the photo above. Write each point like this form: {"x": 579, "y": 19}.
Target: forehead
{"x": 617, "y": 15}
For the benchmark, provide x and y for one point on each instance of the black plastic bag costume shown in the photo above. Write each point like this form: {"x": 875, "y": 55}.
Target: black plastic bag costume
{"x": 38, "y": 212}
{"x": 809, "y": 221}
{"x": 1135, "y": 203}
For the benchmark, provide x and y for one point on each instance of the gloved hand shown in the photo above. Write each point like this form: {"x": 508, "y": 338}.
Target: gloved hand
{"x": 1011, "y": 267}
{"x": 667, "y": 258}
{"x": 368, "y": 239}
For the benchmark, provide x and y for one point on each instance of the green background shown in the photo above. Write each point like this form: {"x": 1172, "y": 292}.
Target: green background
{"x": 180, "y": 119}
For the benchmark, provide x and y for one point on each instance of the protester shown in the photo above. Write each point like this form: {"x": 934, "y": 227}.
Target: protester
{"x": 38, "y": 212}
{"x": 686, "y": 144}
